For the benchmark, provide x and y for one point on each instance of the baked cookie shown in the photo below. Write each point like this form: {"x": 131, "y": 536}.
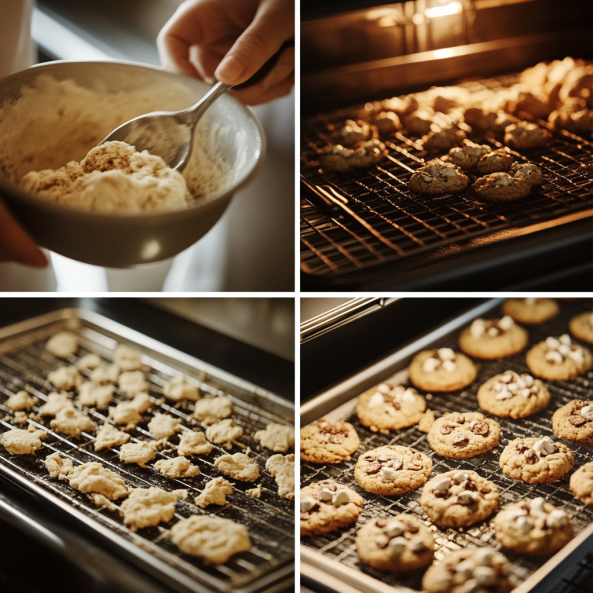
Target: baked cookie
{"x": 513, "y": 394}
{"x": 442, "y": 370}
{"x": 527, "y": 171}
{"x": 327, "y": 506}
{"x": 365, "y": 154}
{"x": 438, "y": 178}
{"x": 392, "y": 469}
{"x": 419, "y": 122}
{"x": 395, "y": 544}
{"x": 328, "y": 442}
{"x": 467, "y": 156}
{"x": 525, "y": 136}
{"x": 536, "y": 461}
{"x": 353, "y": 132}
{"x": 581, "y": 327}
{"x": 533, "y": 527}
{"x": 389, "y": 407}
{"x": 471, "y": 569}
{"x": 401, "y": 105}
{"x": 493, "y": 338}
{"x": 581, "y": 483}
{"x": 501, "y": 187}
{"x": 459, "y": 498}
{"x": 443, "y": 140}
{"x": 559, "y": 359}
{"x": 386, "y": 122}
{"x": 575, "y": 117}
{"x": 461, "y": 436}
{"x": 530, "y": 310}
{"x": 502, "y": 121}
{"x": 574, "y": 421}
{"x": 494, "y": 161}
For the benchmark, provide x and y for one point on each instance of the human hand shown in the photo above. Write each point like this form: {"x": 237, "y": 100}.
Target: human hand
{"x": 229, "y": 40}
{"x": 15, "y": 243}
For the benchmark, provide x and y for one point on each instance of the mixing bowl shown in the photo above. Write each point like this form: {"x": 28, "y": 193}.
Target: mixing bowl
{"x": 125, "y": 240}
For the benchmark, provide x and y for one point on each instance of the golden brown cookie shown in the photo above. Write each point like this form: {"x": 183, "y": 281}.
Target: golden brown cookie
{"x": 352, "y": 132}
{"x": 581, "y": 483}
{"x": 493, "y": 338}
{"x": 559, "y": 359}
{"x": 443, "y": 140}
{"x": 574, "y": 421}
{"x": 527, "y": 171}
{"x": 581, "y": 327}
{"x": 501, "y": 187}
{"x": 328, "y": 442}
{"x": 467, "y": 156}
{"x": 386, "y": 122}
{"x": 494, "y": 161}
{"x": 364, "y": 154}
{"x": 525, "y": 136}
{"x": 530, "y": 310}
{"x": 442, "y": 370}
{"x": 438, "y": 178}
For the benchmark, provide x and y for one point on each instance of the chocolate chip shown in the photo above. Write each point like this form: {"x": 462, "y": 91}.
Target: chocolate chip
{"x": 381, "y": 523}
{"x": 440, "y": 493}
{"x": 460, "y": 440}
{"x": 397, "y": 464}
{"x": 454, "y": 417}
{"x": 525, "y": 507}
{"x": 577, "y": 420}
{"x": 531, "y": 456}
{"x": 484, "y": 489}
{"x": 382, "y": 542}
{"x": 468, "y": 485}
{"x": 577, "y": 404}
{"x": 305, "y": 516}
{"x": 396, "y": 405}
{"x": 415, "y": 467}
{"x": 446, "y": 429}
{"x": 387, "y": 398}
{"x": 332, "y": 487}
{"x": 556, "y": 449}
{"x": 411, "y": 528}
{"x": 373, "y": 468}
{"x": 369, "y": 458}
{"x": 481, "y": 428}
{"x": 382, "y": 459}
{"x": 522, "y": 447}
{"x": 336, "y": 439}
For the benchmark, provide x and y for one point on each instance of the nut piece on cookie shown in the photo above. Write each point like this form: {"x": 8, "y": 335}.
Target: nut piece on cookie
{"x": 530, "y": 310}
{"x": 574, "y": 421}
{"x": 443, "y": 140}
{"x": 324, "y": 441}
{"x": 327, "y": 506}
{"x": 365, "y": 154}
{"x": 386, "y": 122}
{"x": 525, "y": 136}
{"x": 493, "y": 338}
{"x": 442, "y": 370}
{"x": 353, "y": 132}
{"x": 495, "y": 161}
{"x": 527, "y": 171}
{"x": 533, "y": 527}
{"x": 437, "y": 178}
{"x": 581, "y": 483}
{"x": 459, "y": 498}
{"x": 581, "y": 327}
{"x": 467, "y": 156}
{"x": 559, "y": 359}
{"x": 501, "y": 187}
{"x": 395, "y": 544}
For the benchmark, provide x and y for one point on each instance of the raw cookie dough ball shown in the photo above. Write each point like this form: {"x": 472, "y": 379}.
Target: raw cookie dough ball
{"x": 438, "y": 178}
{"x": 501, "y": 187}
{"x": 530, "y": 310}
{"x": 328, "y": 442}
{"x": 493, "y": 338}
{"x": 442, "y": 370}
{"x": 581, "y": 327}
{"x": 353, "y": 132}
{"x": 419, "y": 122}
{"x": 559, "y": 359}
{"x": 387, "y": 122}
{"x": 574, "y": 421}
{"x": 581, "y": 483}
{"x": 62, "y": 344}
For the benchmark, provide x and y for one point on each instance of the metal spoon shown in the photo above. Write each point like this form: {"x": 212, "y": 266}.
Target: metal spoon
{"x": 170, "y": 134}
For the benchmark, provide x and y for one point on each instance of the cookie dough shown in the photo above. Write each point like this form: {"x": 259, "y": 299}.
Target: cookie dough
{"x": 327, "y": 506}
{"x": 341, "y": 159}
{"x": 163, "y": 426}
{"x": 55, "y": 403}
{"x": 132, "y": 382}
{"x": 105, "y": 373}
{"x": 59, "y": 467}
{"x": 62, "y": 344}
{"x": 536, "y": 461}
{"x": 211, "y": 538}
{"x": 513, "y": 394}
{"x": 328, "y": 442}
{"x": 389, "y": 407}
{"x": 212, "y": 409}
{"x": 128, "y": 358}
{"x": 392, "y": 470}
{"x": 178, "y": 467}
{"x": 501, "y": 187}
{"x": 65, "y": 378}
{"x": 530, "y": 310}
{"x": 493, "y": 338}
{"x": 442, "y": 370}
{"x": 238, "y": 466}
{"x": 95, "y": 395}
{"x": 395, "y": 544}
{"x": 89, "y": 361}
{"x": 72, "y": 422}
{"x": 224, "y": 433}
{"x": 574, "y": 421}
{"x": 178, "y": 388}
{"x": 581, "y": 483}
{"x": 276, "y": 437}
{"x": 581, "y": 327}
{"x": 20, "y": 401}
{"x": 386, "y": 122}
{"x": 255, "y": 492}
{"x": 93, "y": 477}
{"x": 215, "y": 492}
{"x": 108, "y": 437}
{"x": 461, "y": 436}
{"x": 438, "y": 178}
{"x": 282, "y": 468}
{"x": 22, "y": 442}
{"x": 140, "y": 453}
{"x": 530, "y": 173}
{"x": 559, "y": 359}
{"x": 146, "y": 507}
{"x": 459, "y": 498}
{"x": 193, "y": 443}
{"x": 129, "y": 413}
{"x": 525, "y": 136}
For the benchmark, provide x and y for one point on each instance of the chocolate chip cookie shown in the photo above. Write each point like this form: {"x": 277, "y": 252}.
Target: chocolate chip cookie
{"x": 501, "y": 187}
{"x": 392, "y": 469}
{"x": 459, "y": 498}
{"x": 581, "y": 483}
{"x": 442, "y": 370}
{"x": 527, "y": 171}
{"x": 559, "y": 359}
{"x": 494, "y": 161}
{"x": 438, "y": 178}
{"x": 328, "y": 442}
{"x": 493, "y": 338}
{"x": 536, "y": 461}
{"x": 461, "y": 436}
{"x": 574, "y": 421}
{"x": 581, "y": 327}
{"x": 531, "y": 310}
{"x": 395, "y": 544}
{"x": 341, "y": 159}
{"x": 525, "y": 136}
{"x": 467, "y": 156}
{"x": 443, "y": 140}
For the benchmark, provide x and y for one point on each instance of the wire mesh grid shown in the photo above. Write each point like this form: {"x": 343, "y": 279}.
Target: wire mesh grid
{"x": 340, "y": 545}
{"x": 24, "y": 365}
{"x": 407, "y": 224}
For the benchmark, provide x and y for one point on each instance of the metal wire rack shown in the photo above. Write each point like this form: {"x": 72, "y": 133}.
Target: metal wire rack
{"x": 389, "y": 222}
{"x": 340, "y": 545}
{"x": 24, "y": 365}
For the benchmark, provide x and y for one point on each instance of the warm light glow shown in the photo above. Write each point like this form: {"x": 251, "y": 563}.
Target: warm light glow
{"x": 418, "y": 19}
{"x": 446, "y": 10}
{"x": 444, "y": 53}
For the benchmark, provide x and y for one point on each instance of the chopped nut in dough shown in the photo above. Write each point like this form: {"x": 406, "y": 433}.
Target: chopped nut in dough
{"x": 140, "y": 453}
{"x": 162, "y": 426}
{"x": 109, "y": 437}
{"x": 146, "y": 507}
{"x": 193, "y": 443}
{"x": 93, "y": 394}
{"x": 129, "y": 359}
{"x": 179, "y": 467}
{"x": 22, "y": 442}
{"x": 93, "y": 477}
{"x": 105, "y": 373}
{"x": 215, "y": 492}
{"x": 72, "y": 422}
{"x": 62, "y": 344}
{"x": 132, "y": 382}
{"x": 21, "y": 401}
{"x": 276, "y": 437}
{"x": 225, "y": 433}
{"x": 59, "y": 467}
{"x": 102, "y": 501}
{"x": 255, "y": 492}
{"x": 282, "y": 468}
{"x": 55, "y": 403}
{"x": 238, "y": 466}
{"x": 179, "y": 388}
{"x": 212, "y": 409}
{"x": 66, "y": 378}
{"x": 89, "y": 361}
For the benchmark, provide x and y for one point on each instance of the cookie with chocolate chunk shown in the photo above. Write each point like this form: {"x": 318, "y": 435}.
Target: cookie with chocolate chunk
{"x": 443, "y": 140}
{"x": 468, "y": 155}
{"x": 328, "y": 442}
{"x": 493, "y": 338}
{"x": 442, "y": 369}
{"x": 527, "y": 171}
{"x": 559, "y": 359}
{"x": 501, "y": 187}
{"x": 341, "y": 159}
{"x": 525, "y": 136}
{"x": 574, "y": 421}
{"x": 438, "y": 178}
{"x": 495, "y": 161}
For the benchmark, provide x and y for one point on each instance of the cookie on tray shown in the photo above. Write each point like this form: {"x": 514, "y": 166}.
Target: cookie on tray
{"x": 530, "y": 310}
{"x": 353, "y": 132}
{"x": 341, "y": 159}
{"x": 471, "y": 569}
{"x": 533, "y": 527}
{"x": 386, "y": 122}
{"x": 401, "y": 105}
{"x": 467, "y": 156}
{"x": 438, "y": 178}
{"x": 392, "y": 470}
{"x": 525, "y": 136}
{"x": 419, "y": 122}
{"x": 501, "y": 187}
{"x": 443, "y": 140}
{"x": 494, "y": 161}
{"x": 460, "y": 436}
{"x": 327, "y": 506}
{"x": 559, "y": 359}
{"x": 536, "y": 460}
{"x": 514, "y": 395}
{"x": 395, "y": 544}
{"x": 389, "y": 407}
{"x": 459, "y": 498}
{"x": 442, "y": 370}
{"x": 581, "y": 483}
{"x": 324, "y": 441}
{"x": 574, "y": 421}
{"x": 581, "y": 327}
{"x": 493, "y": 338}
{"x": 530, "y": 172}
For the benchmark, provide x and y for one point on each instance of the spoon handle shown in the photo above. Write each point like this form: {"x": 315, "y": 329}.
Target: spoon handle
{"x": 266, "y": 68}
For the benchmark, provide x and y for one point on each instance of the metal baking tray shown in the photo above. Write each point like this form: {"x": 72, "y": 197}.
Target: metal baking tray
{"x": 332, "y": 558}
{"x": 24, "y": 364}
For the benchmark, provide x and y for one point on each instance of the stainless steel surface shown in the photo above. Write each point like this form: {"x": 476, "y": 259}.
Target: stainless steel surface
{"x": 144, "y": 238}
{"x": 24, "y": 364}
{"x": 334, "y": 555}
